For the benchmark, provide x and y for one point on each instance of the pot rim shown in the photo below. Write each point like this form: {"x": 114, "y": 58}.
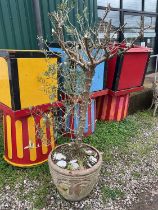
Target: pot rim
{"x": 81, "y": 172}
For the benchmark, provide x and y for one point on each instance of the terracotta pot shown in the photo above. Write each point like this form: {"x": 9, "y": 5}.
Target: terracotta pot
{"x": 75, "y": 185}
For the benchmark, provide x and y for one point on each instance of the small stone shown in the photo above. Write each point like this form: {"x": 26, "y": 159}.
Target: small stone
{"x": 25, "y": 181}
{"x": 89, "y": 152}
{"x": 75, "y": 166}
{"x": 61, "y": 163}
{"x": 95, "y": 154}
{"x": 59, "y": 156}
{"x": 7, "y": 188}
{"x": 6, "y": 205}
{"x": 73, "y": 161}
{"x": 89, "y": 165}
{"x": 92, "y": 159}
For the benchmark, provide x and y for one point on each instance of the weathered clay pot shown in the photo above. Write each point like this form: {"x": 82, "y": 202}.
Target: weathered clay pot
{"x": 75, "y": 185}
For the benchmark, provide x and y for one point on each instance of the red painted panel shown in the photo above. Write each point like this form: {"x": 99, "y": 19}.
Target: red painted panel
{"x": 13, "y": 139}
{"x": 112, "y": 108}
{"x": 99, "y": 93}
{"x": 38, "y": 140}
{"x": 25, "y": 134}
{"x": 25, "y": 160}
{"x": 111, "y": 65}
{"x": 126, "y": 91}
{"x": 26, "y": 112}
{"x": 132, "y": 71}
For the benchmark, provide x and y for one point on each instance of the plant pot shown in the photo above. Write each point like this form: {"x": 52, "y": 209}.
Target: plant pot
{"x": 75, "y": 185}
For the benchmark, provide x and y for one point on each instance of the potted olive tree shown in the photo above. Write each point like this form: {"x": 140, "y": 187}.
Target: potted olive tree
{"x": 75, "y": 166}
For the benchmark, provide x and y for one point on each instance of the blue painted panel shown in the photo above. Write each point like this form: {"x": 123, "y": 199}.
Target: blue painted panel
{"x": 76, "y": 119}
{"x": 93, "y": 115}
{"x": 86, "y": 123}
{"x": 98, "y": 78}
{"x": 58, "y": 50}
{"x": 67, "y": 123}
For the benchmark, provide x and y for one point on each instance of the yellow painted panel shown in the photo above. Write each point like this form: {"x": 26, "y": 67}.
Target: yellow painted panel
{"x": 9, "y": 136}
{"x": 31, "y": 91}
{"x": 44, "y": 140}
{"x": 32, "y": 138}
{"x": 19, "y": 139}
{"x": 5, "y": 97}
{"x": 52, "y": 137}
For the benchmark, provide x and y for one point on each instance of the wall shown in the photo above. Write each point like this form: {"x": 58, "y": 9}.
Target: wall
{"x": 18, "y": 25}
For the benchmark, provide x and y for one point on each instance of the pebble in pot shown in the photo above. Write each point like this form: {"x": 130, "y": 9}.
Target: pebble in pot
{"x": 74, "y": 164}
{"x": 92, "y": 159}
{"x": 61, "y": 163}
{"x": 59, "y": 156}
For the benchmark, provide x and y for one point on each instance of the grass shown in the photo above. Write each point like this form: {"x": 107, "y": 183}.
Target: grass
{"x": 136, "y": 174}
{"x": 10, "y": 175}
{"x": 109, "y": 193}
{"x": 108, "y": 136}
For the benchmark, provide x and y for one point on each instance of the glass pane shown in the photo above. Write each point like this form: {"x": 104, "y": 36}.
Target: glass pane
{"x": 149, "y": 34}
{"x": 113, "y": 15}
{"x": 113, "y": 3}
{"x": 132, "y": 22}
{"x": 133, "y": 4}
{"x": 150, "y": 5}
{"x": 150, "y": 21}
{"x": 132, "y": 26}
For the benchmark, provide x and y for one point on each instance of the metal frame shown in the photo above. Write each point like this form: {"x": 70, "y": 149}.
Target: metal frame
{"x": 130, "y": 11}
{"x": 146, "y": 68}
{"x": 155, "y": 56}
{"x": 134, "y": 12}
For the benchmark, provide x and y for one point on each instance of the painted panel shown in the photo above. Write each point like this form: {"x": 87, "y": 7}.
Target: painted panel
{"x": 31, "y": 90}
{"x": 5, "y": 96}
{"x": 132, "y": 72}
{"x": 9, "y": 137}
{"x": 32, "y": 139}
{"x": 98, "y": 78}
{"x": 19, "y": 139}
{"x": 44, "y": 139}
{"x": 72, "y": 120}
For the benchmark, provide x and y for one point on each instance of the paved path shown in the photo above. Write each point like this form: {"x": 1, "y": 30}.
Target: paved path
{"x": 149, "y": 201}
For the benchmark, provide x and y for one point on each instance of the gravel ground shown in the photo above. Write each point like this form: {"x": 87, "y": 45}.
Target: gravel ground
{"x": 129, "y": 182}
